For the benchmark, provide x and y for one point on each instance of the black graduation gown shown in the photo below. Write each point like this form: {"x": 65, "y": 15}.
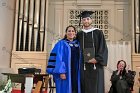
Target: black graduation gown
{"x": 92, "y": 81}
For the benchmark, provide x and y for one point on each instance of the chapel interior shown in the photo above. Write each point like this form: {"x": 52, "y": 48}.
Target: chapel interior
{"x": 30, "y": 28}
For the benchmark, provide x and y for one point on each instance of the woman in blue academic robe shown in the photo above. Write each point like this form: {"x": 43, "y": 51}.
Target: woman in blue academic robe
{"x": 64, "y": 63}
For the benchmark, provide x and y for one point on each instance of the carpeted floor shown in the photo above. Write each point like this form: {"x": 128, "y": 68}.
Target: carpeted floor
{"x": 18, "y": 91}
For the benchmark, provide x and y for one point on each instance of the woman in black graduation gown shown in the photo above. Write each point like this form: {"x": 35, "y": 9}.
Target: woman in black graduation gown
{"x": 121, "y": 79}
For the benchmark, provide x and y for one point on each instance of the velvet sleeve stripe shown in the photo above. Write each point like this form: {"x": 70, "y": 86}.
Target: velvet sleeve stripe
{"x": 49, "y": 66}
{"x": 52, "y": 57}
{"x": 52, "y": 63}
{"x": 53, "y": 54}
{"x": 51, "y": 60}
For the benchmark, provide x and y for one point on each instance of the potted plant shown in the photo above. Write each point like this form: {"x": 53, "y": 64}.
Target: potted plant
{"x": 6, "y": 86}
{"x": 2, "y": 85}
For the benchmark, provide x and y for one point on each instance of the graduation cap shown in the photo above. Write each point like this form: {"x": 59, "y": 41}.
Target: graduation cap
{"x": 85, "y": 14}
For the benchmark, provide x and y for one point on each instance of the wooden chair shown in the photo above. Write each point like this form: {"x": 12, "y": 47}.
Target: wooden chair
{"x": 38, "y": 87}
{"x": 44, "y": 82}
{"x": 51, "y": 83}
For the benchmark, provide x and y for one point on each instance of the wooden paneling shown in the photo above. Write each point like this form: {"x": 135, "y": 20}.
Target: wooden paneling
{"x": 136, "y": 67}
{"x": 29, "y": 59}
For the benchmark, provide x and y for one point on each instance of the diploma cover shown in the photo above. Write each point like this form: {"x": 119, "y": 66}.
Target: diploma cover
{"x": 88, "y": 53}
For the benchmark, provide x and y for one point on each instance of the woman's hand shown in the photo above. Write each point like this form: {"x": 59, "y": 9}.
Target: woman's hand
{"x": 118, "y": 72}
{"x": 63, "y": 76}
{"x": 120, "y": 69}
{"x": 127, "y": 68}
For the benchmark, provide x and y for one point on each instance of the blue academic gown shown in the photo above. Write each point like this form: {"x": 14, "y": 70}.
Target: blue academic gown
{"x": 60, "y": 62}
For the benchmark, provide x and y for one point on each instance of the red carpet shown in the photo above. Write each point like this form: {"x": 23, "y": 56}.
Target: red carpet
{"x": 18, "y": 91}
